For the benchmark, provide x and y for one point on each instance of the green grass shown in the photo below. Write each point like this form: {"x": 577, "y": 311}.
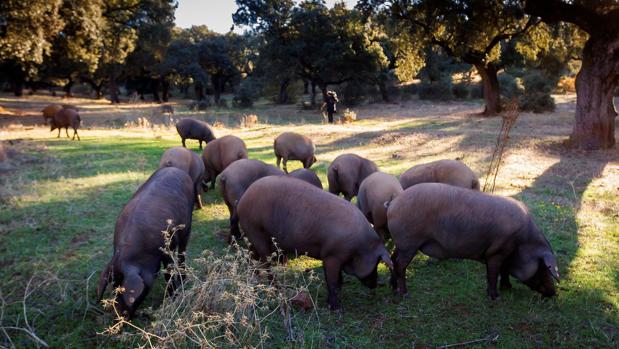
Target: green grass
{"x": 57, "y": 214}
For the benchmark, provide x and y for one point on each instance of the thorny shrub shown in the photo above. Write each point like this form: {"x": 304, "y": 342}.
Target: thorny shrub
{"x": 224, "y": 301}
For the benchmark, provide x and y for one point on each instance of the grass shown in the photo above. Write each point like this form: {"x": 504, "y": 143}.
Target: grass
{"x": 58, "y": 209}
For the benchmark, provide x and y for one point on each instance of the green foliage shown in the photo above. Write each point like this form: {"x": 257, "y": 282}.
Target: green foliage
{"x": 327, "y": 46}
{"x": 355, "y": 92}
{"x": 31, "y": 27}
{"x": 509, "y": 86}
{"x": 537, "y": 89}
{"x": 477, "y": 90}
{"x": 245, "y": 95}
{"x": 460, "y": 90}
{"x": 408, "y": 90}
{"x": 437, "y": 91}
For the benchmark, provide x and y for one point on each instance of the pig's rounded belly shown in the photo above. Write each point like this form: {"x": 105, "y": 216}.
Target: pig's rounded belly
{"x": 441, "y": 252}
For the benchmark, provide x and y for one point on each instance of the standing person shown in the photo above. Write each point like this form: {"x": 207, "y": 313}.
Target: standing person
{"x": 330, "y": 103}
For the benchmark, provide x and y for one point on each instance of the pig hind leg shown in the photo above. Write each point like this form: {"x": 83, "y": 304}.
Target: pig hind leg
{"x": 234, "y": 226}
{"x": 285, "y": 164}
{"x": 401, "y": 259}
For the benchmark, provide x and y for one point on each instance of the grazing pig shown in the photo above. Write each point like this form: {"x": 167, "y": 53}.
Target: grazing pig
{"x": 307, "y": 175}
{"x": 189, "y": 128}
{"x": 50, "y": 111}
{"x": 346, "y": 173}
{"x": 189, "y": 162}
{"x": 65, "y": 118}
{"x": 375, "y": 190}
{"x": 220, "y": 153}
{"x": 167, "y": 195}
{"x": 233, "y": 182}
{"x": 303, "y": 219}
{"x": 445, "y": 221}
{"x": 293, "y": 146}
{"x": 451, "y": 172}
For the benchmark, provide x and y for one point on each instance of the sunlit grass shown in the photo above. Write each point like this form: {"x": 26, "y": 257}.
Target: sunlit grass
{"x": 57, "y": 214}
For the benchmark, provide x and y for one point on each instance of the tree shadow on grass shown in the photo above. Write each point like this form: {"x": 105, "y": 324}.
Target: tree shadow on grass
{"x": 62, "y": 242}
{"x": 556, "y": 198}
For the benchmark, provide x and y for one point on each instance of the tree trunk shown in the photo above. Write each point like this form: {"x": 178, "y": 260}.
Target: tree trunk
{"x": 218, "y": 87}
{"x": 98, "y": 91}
{"x": 98, "y": 88}
{"x": 305, "y": 87}
{"x": 165, "y": 90}
{"x": 596, "y": 81}
{"x": 67, "y": 88}
{"x": 313, "y": 93}
{"x": 323, "y": 89}
{"x": 155, "y": 89}
{"x": 492, "y": 92}
{"x": 199, "y": 91}
{"x": 382, "y": 87}
{"x": 18, "y": 84}
{"x": 113, "y": 89}
{"x": 282, "y": 98}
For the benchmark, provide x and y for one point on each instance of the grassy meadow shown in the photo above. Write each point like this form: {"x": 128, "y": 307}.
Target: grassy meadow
{"x": 59, "y": 204}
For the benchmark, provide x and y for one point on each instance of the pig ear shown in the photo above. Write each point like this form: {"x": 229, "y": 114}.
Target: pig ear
{"x": 551, "y": 263}
{"x": 134, "y": 286}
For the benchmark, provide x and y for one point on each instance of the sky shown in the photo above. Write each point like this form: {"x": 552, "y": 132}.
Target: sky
{"x": 216, "y": 14}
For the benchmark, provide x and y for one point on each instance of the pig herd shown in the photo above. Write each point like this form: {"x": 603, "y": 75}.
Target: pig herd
{"x": 435, "y": 208}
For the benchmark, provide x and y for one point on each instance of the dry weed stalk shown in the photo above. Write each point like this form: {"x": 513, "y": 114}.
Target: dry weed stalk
{"x": 249, "y": 120}
{"x": 221, "y": 302}
{"x": 509, "y": 120}
{"x": 349, "y": 116}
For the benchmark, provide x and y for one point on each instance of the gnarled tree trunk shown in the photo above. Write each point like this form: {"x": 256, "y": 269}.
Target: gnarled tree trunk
{"x": 492, "y": 91}
{"x": 595, "y": 85}
{"x": 113, "y": 89}
{"x": 67, "y": 88}
{"x": 313, "y": 93}
{"x": 282, "y": 97}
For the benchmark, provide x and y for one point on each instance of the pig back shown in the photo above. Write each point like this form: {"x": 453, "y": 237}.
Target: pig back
{"x": 446, "y": 171}
{"x": 375, "y": 190}
{"x": 184, "y": 159}
{"x": 463, "y": 222}
{"x": 166, "y": 195}
{"x": 303, "y": 218}
{"x": 66, "y": 117}
{"x": 307, "y": 176}
{"x": 294, "y": 146}
{"x": 240, "y": 174}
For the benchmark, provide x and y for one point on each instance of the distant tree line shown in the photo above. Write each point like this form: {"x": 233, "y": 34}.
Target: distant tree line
{"x": 518, "y": 48}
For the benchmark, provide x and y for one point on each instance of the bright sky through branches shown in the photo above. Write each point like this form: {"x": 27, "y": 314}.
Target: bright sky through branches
{"x": 216, "y": 14}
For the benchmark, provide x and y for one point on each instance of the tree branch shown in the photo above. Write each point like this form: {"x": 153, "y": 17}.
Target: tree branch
{"x": 552, "y": 11}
